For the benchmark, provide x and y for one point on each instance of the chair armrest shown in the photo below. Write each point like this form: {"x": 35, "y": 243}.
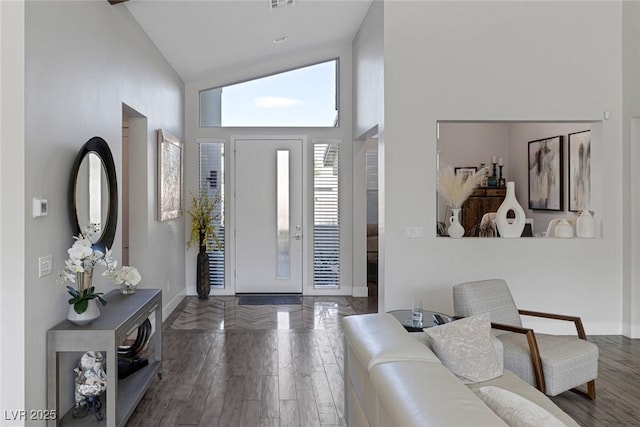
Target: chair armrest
{"x": 576, "y": 320}
{"x": 534, "y": 352}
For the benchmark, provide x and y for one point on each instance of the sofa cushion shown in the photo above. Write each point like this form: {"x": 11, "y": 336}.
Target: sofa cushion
{"x": 515, "y": 410}
{"x": 497, "y": 344}
{"x": 510, "y": 381}
{"x": 379, "y": 338}
{"x": 413, "y": 393}
{"x": 466, "y": 348}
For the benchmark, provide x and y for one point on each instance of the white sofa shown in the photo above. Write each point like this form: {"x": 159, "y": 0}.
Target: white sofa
{"x": 394, "y": 379}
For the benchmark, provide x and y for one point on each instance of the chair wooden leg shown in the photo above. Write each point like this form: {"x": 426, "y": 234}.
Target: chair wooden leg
{"x": 591, "y": 391}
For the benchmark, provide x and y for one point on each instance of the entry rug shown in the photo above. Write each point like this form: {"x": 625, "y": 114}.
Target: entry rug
{"x": 269, "y": 300}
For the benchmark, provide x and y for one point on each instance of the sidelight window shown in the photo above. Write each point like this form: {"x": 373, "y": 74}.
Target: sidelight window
{"x": 326, "y": 214}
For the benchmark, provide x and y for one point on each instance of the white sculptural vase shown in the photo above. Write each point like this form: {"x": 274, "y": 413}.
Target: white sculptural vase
{"x": 510, "y": 227}
{"x": 586, "y": 225}
{"x": 455, "y": 230}
{"x": 563, "y": 229}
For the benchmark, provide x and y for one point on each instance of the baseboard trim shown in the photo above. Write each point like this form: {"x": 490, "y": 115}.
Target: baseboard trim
{"x": 360, "y": 291}
{"x": 173, "y": 304}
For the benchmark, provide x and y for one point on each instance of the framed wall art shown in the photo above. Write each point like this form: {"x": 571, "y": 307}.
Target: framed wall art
{"x": 466, "y": 172}
{"x": 579, "y": 171}
{"x": 170, "y": 154}
{"x": 545, "y": 174}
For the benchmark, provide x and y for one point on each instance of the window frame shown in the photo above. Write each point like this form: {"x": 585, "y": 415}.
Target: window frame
{"x": 262, "y": 76}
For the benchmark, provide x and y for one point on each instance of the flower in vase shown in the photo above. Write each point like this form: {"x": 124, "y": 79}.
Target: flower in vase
{"x": 78, "y": 269}
{"x": 127, "y": 276}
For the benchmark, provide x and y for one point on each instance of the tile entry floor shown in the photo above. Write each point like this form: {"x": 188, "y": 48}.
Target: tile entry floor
{"x": 271, "y": 365}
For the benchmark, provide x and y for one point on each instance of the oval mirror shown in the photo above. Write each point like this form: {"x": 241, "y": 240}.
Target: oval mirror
{"x": 93, "y": 192}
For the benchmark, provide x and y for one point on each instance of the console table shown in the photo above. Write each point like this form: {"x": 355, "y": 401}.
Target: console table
{"x": 120, "y": 318}
{"x": 481, "y": 201}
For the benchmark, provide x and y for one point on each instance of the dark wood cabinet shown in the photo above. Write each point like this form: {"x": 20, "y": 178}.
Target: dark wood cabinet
{"x": 483, "y": 200}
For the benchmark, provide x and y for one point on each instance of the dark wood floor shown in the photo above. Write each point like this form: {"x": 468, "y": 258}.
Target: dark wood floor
{"x": 617, "y": 387}
{"x": 230, "y": 365}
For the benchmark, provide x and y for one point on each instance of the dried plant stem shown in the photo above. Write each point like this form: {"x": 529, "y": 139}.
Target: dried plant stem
{"x": 455, "y": 189}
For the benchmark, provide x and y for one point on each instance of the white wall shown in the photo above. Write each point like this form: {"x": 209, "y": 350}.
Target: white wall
{"x": 368, "y": 72}
{"x": 516, "y": 61}
{"x": 368, "y": 121}
{"x": 631, "y": 174}
{"x": 470, "y": 144}
{"x": 241, "y": 72}
{"x": 12, "y": 212}
{"x": 84, "y": 59}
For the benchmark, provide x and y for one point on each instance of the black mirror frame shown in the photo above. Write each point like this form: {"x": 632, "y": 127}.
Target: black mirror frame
{"x": 101, "y": 148}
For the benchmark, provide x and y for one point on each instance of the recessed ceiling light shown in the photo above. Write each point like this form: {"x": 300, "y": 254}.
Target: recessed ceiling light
{"x": 280, "y": 40}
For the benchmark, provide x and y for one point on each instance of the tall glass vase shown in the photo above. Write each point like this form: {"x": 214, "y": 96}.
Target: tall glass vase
{"x": 84, "y": 280}
{"x": 455, "y": 230}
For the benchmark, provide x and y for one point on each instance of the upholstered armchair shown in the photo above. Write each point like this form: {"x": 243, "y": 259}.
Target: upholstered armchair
{"x": 552, "y": 363}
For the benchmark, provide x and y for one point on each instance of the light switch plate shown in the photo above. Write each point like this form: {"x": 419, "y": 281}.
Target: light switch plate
{"x": 45, "y": 265}
{"x": 414, "y": 232}
{"x": 40, "y": 207}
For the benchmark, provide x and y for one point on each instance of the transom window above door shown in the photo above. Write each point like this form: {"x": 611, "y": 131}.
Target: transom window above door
{"x": 303, "y": 97}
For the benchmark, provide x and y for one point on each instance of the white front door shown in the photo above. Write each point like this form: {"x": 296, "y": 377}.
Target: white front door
{"x": 268, "y": 215}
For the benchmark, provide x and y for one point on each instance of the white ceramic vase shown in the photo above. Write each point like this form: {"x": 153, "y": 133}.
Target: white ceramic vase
{"x": 586, "y": 225}
{"x": 563, "y": 229}
{"x": 90, "y": 314}
{"x": 510, "y": 228}
{"x": 455, "y": 230}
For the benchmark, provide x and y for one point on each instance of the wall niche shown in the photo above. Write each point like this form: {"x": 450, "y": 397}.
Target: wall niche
{"x": 569, "y": 173}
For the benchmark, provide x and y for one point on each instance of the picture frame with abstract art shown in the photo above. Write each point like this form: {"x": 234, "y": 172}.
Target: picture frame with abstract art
{"x": 546, "y": 174}
{"x": 170, "y": 155}
{"x": 580, "y": 171}
{"x": 466, "y": 171}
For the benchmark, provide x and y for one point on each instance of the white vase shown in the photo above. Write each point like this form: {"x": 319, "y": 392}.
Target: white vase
{"x": 89, "y": 315}
{"x": 586, "y": 225}
{"x": 455, "y": 230}
{"x": 513, "y": 227}
{"x": 563, "y": 229}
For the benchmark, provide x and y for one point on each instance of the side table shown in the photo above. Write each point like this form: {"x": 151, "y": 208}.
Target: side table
{"x": 122, "y": 316}
{"x": 428, "y": 319}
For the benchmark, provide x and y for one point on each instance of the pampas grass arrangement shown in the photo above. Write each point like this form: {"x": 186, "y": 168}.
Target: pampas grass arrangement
{"x": 455, "y": 189}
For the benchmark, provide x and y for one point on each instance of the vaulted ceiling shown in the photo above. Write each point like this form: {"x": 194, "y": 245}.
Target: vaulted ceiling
{"x": 199, "y": 36}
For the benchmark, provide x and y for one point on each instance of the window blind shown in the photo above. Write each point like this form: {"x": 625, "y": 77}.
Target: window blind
{"x": 326, "y": 215}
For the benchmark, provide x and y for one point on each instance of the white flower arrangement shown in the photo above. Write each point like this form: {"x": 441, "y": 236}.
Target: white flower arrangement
{"x": 83, "y": 258}
{"x": 455, "y": 189}
{"x": 127, "y": 276}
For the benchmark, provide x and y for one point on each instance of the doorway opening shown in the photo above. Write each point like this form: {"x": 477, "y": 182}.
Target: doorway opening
{"x": 132, "y": 183}
{"x": 372, "y": 165}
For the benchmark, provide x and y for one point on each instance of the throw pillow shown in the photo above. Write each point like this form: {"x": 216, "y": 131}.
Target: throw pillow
{"x": 517, "y": 411}
{"x": 465, "y": 347}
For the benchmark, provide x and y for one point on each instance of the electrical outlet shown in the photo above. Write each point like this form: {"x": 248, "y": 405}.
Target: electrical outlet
{"x": 45, "y": 265}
